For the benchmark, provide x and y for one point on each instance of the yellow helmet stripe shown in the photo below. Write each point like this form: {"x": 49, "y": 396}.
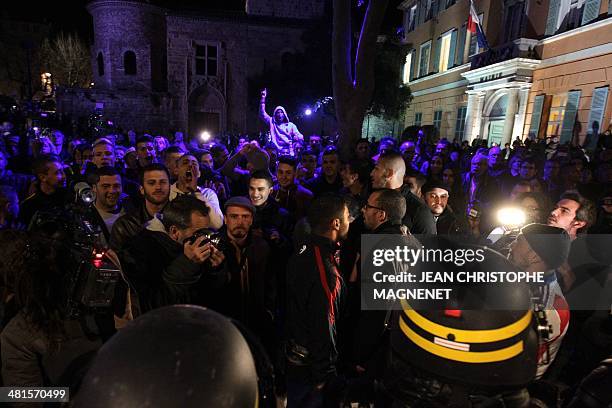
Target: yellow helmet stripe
{"x": 462, "y": 356}
{"x": 467, "y": 336}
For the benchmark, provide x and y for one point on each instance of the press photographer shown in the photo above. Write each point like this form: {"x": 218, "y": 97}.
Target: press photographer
{"x": 164, "y": 266}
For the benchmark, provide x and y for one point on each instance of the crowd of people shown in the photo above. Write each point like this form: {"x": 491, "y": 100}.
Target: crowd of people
{"x": 270, "y": 236}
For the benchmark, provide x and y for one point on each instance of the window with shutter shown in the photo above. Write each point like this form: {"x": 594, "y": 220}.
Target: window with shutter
{"x": 591, "y": 11}
{"x": 418, "y": 116}
{"x": 436, "y": 55}
{"x": 424, "y": 59}
{"x": 460, "y": 123}
{"x": 598, "y": 107}
{"x": 453, "y": 48}
{"x": 569, "y": 116}
{"x": 460, "y": 50}
{"x": 553, "y": 17}
{"x": 536, "y": 116}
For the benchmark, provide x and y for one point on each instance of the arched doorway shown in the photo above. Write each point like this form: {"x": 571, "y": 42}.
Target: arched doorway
{"x": 206, "y": 111}
{"x": 495, "y": 120}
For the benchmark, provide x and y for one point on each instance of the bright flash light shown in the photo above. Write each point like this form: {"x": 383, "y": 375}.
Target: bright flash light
{"x": 308, "y": 112}
{"x": 205, "y": 136}
{"x": 511, "y": 216}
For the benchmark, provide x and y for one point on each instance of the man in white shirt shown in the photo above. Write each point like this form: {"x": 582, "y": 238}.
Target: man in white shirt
{"x": 188, "y": 173}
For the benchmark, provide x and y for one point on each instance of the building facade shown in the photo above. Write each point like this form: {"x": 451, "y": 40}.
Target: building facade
{"x": 161, "y": 70}
{"x": 546, "y": 73}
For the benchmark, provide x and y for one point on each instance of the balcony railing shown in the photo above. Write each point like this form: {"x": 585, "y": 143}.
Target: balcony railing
{"x": 523, "y": 48}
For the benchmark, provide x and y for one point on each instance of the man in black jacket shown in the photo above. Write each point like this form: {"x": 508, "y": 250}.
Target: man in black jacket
{"x": 50, "y": 192}
{"x": 329, "y": 180}
{"x": 436, "y": 195}
{"x": 155, "y": 187}
{"x": 315, "y": 293}
{"x": 162, "y": 265}
{"x": 389, "y": 173}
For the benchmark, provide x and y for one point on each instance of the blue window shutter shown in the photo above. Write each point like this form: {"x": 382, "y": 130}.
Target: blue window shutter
{"x": 569, "y": 117}
{"x": 453, "y": 47}
{"x": 553, "y": 14}
{"x": 412, "y": 64}
{"x": 590, "y": 11}
{"x": 436, "y": 55}
{"x": 598, "y": 107}
{"x": 461, "y": 44}
{"x": 536, "y": 116}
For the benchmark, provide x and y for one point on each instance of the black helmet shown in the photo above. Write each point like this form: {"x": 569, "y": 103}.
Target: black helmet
{"x": 175, "y": 356}
{"x": 470, "y": 339}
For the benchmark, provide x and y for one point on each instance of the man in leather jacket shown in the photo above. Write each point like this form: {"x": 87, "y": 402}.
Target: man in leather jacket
{"x": 155, "y": 187}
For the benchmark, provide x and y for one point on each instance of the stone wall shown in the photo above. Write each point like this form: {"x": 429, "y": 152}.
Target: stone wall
{"x": 302, "y": 9}
{"x": 141, "y": 111}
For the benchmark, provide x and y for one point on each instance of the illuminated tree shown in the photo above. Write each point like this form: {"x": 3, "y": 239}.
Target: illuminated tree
{"x": 67, "y": 58}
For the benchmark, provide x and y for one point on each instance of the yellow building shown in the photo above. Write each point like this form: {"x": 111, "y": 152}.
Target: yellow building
{"x": 547, "y": 72}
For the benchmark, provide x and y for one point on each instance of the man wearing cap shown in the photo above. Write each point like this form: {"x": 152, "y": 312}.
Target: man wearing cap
{"x": 249, "y": 296}
{"x": 543, "y": 248}
{"x": 436, "y": 196}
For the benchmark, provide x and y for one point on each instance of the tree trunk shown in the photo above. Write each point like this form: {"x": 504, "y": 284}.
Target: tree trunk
{"x": 353, "y": 79}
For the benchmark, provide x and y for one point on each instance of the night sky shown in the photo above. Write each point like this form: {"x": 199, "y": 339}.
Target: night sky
{"x": 72, "y": 15}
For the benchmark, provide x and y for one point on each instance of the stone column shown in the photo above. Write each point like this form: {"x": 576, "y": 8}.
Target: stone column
{"x": 512, "y": 108}
{"x": 473, "y": 116}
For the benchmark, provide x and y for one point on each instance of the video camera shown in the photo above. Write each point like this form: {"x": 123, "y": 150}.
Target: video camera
{"x": 92, "y": 276}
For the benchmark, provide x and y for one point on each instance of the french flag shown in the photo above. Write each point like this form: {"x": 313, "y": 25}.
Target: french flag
{"x": 475, "y": 27}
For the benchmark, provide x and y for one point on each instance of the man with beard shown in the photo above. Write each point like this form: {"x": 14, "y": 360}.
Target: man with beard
{"x": 436, "y": 197}
{"x": 108, "y": 195}
{"x": 329, "y": 180}
{"x": 289, "y": 195}
{"x": 249, "y": 295}
{"x": 50, "y": 193}
{"x": 155, "y": 188}
{"x": 389, "y": 173}
{"x": 315, "y": 298}
{"x": 188, "y": 173}
{"x": 165, "y": 266}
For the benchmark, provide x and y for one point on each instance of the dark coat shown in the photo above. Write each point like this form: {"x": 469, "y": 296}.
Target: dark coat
{"x": 160, "y": 274}
{"x": 41, "y": 201}
{"x": 128, "y": 226}
{"x": 418, "y": 218}
{"x": 319, "y": 185}
{"x": 28, "y": 362}
{"x": 249, "y": 293}
{"x": 295, "y": 200}
{"x": 315, "y": 301}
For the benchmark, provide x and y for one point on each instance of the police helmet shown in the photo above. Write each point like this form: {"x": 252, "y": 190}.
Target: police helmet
{"x": 175, "y": 356}
{"x": 469, "y": 339}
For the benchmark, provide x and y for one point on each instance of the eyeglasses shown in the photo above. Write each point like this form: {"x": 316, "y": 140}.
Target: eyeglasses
{"x": 366, "y": 206}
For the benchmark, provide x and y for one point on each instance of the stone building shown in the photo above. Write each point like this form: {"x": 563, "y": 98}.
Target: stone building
{"x": 547, "y": 72}
{"x": 162, "y": 70}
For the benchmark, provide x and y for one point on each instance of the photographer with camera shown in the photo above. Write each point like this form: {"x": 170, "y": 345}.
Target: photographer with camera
{"x": 43, "y": 345}
{"x": 164, "y": 266}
